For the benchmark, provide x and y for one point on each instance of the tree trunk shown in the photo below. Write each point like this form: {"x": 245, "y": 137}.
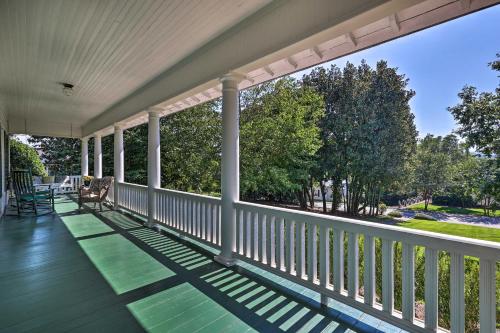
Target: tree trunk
{"x": 323, "y": 194}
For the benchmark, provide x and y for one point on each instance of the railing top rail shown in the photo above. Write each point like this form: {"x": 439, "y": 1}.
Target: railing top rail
{"x": 188, "y": 194}
{"x": 467, "y": 246}
{"x": 133, "y": 185}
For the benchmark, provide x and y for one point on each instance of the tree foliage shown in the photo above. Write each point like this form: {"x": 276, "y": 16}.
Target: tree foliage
{"x": 368, "y": 132}
{"x": 191, "y": 148}
{"x": 432, "y": 166}
{"x": 23, "y": 156}
{"x": 279, "y": 137}
{"x": 478, "y": 117}
{"x": 60, "y": 155}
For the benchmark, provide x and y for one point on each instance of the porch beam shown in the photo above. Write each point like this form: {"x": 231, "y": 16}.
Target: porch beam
{"x": 154, "y": 178}
{"x": 289, "y": 27}
{"x": 85, "y": 157}
{"x": 118, "y": 167}
{"x": 230, "y": 173}
{"x": 97, "y": 156}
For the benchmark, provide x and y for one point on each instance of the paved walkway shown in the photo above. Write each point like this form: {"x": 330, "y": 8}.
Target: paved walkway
{"x": 483, "y": 221}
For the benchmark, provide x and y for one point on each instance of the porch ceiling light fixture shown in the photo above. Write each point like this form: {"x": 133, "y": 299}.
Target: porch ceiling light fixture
{"x": 67, "y": 89}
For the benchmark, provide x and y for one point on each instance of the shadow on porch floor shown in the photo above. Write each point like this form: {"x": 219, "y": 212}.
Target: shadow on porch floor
{"x": 90, "y": 271}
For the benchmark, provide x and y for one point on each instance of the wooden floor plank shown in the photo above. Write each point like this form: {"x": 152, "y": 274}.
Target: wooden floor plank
{"x": 90, "y": 272}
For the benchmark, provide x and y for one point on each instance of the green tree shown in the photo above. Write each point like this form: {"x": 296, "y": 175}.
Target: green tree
{"x": 478, "y": 117}
{"x": 432, "y": 169}
{"x": 23, "y": 156}
{"x": 368, "y": 132}
{"x": 279, "y": 137}
{"x": 61, "y": 155}
{"x": 191, "y": 148}
{"x": 135, "y": 141}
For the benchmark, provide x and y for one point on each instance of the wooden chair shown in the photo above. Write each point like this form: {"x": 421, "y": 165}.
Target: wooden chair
{"x": 96, "y": 192}
{"x": 29, "y": 195}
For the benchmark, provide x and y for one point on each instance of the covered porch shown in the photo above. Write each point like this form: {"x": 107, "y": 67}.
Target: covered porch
{"x": 164, "y": 260}
{"x": 89, "y": 271}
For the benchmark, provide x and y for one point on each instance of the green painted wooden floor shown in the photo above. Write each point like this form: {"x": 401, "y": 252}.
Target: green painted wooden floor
{"x": 92, "y": 272}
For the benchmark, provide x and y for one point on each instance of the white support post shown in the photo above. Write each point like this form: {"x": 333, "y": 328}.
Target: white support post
{"x": 457, "y": 286}
{"x": 118, "y": 163}
{"x": 408, "y": 280}
{"x": 85, "y": 156}
{"x": 338, "y": 260}
{"x": 230, "y": 171}
{"x": 431, "y": 289}
{"x": 153, "y": 161}
{"x": 369, "y": 273}
{"x": 388, "y": 275}
{"x": 487, "y": 295}
{"x": 352, "y": 265}
{"x": 97, "y": 156}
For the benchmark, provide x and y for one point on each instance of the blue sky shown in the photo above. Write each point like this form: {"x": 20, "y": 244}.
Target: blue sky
{"x": 439, "y": 61}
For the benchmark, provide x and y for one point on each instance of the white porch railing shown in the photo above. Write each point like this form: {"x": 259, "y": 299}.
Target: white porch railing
{"x": 133, "y": 197}
{"x": 297, "y": 245}
{"x": 192, "y": 214}
{"x": 62, "y": 184}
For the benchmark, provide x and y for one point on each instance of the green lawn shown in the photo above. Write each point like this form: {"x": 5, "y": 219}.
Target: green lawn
{"x": 451, "y": 210}
{"x": 464, "y": 230}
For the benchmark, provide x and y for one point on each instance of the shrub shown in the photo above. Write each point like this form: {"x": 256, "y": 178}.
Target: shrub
{"x": 453, "y": 200}
{"x": 395, "y": 213}
{"x": 422, "y": 216}
{"x": 382, "y": 208}
{"x": 393, "y": 199}
{"x": 23, "y": 156}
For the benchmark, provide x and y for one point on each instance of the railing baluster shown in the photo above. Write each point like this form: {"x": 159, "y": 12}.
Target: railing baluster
{"x": 281, "y": 243}
{"x": 353, "y": 265}
{"x": 210, "y": 222}
{"x": 238, "y": 231}
{"x": 312, "y": 256}
{"x": 388, "y": 275}
{"x": 408, "y": 279}
{"x": 301, "y": 251}
{"x": 256, "y": 238}
{"x": 271, "y": 255}
{"x": 431, "y": 289}
{"x": 248, "y": 234}
{"x": 290, "y": 247}
{"x": 338, "y": 260}
{"x": 204, "y": 221}
{"x": 262, "y": 237}
{"x": 369, "y": 273}
{"x": 324, "y": 259}
{"x": 215, "y": 225}
{"x": 457, "y": 301}
{"x": 267, "y": 231}
{"x": 487, "y": 295}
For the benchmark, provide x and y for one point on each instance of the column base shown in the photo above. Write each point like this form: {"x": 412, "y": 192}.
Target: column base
{"x": 228, "y": 262}
{"x": 150, "y": 224}
{"x": 324, "y": 300}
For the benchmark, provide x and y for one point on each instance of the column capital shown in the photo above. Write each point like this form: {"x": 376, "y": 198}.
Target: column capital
{"x": 85, "y": 139}
{"x": 97, "y": 135}
{"x": 118, "y": 127}
{"x": 234, "y": 77}
{"x": 154, "y": 111}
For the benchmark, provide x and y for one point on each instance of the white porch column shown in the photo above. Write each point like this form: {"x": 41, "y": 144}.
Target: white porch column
{"x": 230, "y": 173}
{"x": 118, "y": 162}
{"x": 153, "y": 161}
{"x": 85, "y": 157}
{"x": 97, "y": 156}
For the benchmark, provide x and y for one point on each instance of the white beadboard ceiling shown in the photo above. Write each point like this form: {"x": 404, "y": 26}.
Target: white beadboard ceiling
{"x": 107, "y": 49}
{"x": 124, "y": 56}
